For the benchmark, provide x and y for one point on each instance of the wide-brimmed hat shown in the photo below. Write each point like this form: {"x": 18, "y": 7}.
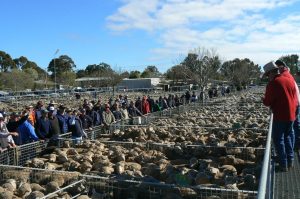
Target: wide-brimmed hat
{"x": 269, "y": 67}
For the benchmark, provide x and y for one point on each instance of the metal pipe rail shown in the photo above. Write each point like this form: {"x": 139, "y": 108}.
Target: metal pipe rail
{"x": 62, "y": 189}
{"x": 265, "y": 185}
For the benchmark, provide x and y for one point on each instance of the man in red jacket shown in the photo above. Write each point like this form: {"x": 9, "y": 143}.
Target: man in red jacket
{"x": 280, "y": 96}
{"x": 284, "y": 70}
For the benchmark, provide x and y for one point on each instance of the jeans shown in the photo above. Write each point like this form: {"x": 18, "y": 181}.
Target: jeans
{"x": 296, "y": 127}
{"x": 284, "y": 138}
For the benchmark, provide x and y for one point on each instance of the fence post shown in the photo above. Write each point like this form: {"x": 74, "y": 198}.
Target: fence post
{"x": 265, "y": 177}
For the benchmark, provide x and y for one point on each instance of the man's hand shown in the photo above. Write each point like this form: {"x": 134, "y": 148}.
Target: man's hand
{"x": 14, "y": 134}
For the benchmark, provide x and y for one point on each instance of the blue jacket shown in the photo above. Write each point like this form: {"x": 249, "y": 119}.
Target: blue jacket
{"x": 63, "y": 123}
{"x": 26, "y": 133}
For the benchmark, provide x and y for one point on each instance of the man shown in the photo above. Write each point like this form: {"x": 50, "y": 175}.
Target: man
{"x": 94, "y": 115}
{"x": 124, "y": 111}
{"x": 107, "y": 116}
{"x": 38, "y": 109}
{"x": 75, "y": 127}
{"x": 280, "y": 97}
{"x": 42, "y": 128}
{"x": 151, "y": 103}
{"x": 6, "y": 139}
{"x": 15, "y": 121}
{"x": 27, "y": 133}
{"x": 284, "y": 70}
{"x": 31, "y": 116}
{"x": 54, "y": 128}
{"x": 145, "y": 106}
{"x": 133, "y": 111}
{"x": 62, "y": 119}
{"x": 116, "y": 112}
{"x": 87, "y": 121}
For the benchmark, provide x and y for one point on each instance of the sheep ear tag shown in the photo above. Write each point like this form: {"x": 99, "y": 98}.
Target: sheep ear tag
{"x": 182, "y": 179}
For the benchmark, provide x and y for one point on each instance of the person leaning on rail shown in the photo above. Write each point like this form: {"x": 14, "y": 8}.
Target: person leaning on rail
{"x": 280, "y": 96}
{"x": 284, "y": 70}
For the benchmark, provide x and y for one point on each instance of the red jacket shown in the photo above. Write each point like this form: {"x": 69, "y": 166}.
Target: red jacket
{"x": 285, "y": 72}
{"x": 145, "y": 107}
{"x": 281, "y": 97}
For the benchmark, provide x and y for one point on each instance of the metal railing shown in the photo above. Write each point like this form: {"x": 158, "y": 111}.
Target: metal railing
{"x": 265, "y": 190}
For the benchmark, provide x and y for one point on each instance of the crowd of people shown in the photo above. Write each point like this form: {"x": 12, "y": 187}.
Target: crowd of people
{"x": 48, "y": 121}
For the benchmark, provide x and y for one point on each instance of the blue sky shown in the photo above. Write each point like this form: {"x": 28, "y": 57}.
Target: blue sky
{"x": 131, "y": 34}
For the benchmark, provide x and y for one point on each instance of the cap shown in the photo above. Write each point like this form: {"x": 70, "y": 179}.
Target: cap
{"x": 51, "y": 108}
{"x": 280, "y": 63}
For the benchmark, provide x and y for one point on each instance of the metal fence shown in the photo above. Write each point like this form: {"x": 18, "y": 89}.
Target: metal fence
{"x": 266, "y": 186}
{"x": 116, "y": 188}
{"x": 73, "y": 184}
{"x": 124, "y": 189}
{"x": 50, "y": 183}
{"x": 7, "y": 156}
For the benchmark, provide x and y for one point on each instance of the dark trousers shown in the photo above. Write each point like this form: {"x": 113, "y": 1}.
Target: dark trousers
{"x": 283, "y": 138}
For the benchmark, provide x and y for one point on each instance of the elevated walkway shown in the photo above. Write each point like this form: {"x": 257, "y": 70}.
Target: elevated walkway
{"x": 287, "y": 184}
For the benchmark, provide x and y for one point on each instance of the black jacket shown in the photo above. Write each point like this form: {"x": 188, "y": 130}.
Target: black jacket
{"x": 13, "y": 125}
{"x": 75, "y": 126}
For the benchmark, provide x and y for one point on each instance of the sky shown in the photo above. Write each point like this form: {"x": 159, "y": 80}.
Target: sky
{"x": 132, "y": 34}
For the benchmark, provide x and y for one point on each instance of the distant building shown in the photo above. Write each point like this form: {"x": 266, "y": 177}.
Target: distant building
{"x": 141, "y": 83}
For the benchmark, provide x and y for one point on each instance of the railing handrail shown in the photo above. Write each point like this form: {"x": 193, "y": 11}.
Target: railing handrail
{"x": 262, "y": 189}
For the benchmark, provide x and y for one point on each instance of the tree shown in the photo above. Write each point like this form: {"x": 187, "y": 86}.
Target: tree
{"x": 20, "y": 62}
{"x": 16, "y": 80}
{"x": 60, "y": 65}
{"x": 240, "y": 71}
{"x": 32, "y": 73}
{"x": 66, "y": 78}
{"x": 292, "y": 62}
{"x": 125, "y": 74}
{"x": 98, "y": 69}
{"x": 80, "y": 73}
{"x": 134, "y": 74}
{"x": 150, "y": 71}
{"x": 23, "y": 63}
{"x": 202, "y": 65}
{"x": 177, "y": 73}
{"x": 114, "y": 79}
{"x": 6, "y": 62}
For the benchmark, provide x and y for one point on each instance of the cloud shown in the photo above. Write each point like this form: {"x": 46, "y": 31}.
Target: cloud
{"x": 235, "y": 28}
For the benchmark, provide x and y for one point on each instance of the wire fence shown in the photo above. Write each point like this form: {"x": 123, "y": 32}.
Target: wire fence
{"x": 113, "y": 186}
